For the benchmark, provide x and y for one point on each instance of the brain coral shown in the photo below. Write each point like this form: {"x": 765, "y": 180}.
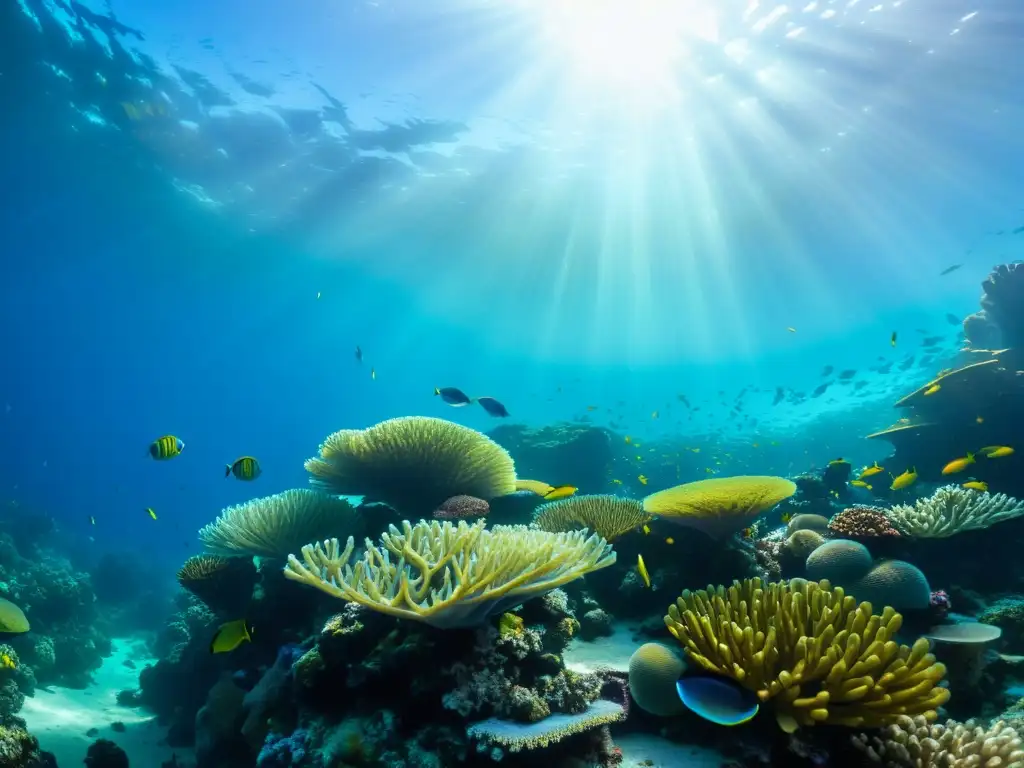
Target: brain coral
{"x": 653, "y": 671}
{"x": 894, "y": 583}
{"x": 839, "y": 561}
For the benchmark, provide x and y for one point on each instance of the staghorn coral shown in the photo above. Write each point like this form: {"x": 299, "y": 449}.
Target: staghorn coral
{"x": 952, "y": 510}
{"x": 608, "y": 516}
{"x": 913, "y": 742}
{"x": 720, "y": 506}
{"x": 811, "y": 651}
{"x": 413, "y": 462}
{"x": 862, "y": 523}
{"x": 222, "y": 583}
{"x": 450, "y": 575}
{"x": 461, "y": 507}
{"x": 276, "y": 525}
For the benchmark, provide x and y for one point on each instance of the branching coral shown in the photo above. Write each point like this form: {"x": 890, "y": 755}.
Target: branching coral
{"x": 720, "y": 506}
{"x": 862, "y": 523}
{"x": 276, "y": 525}
{"x": 952, "y": 510}
{"x": 811, "y": 650}
{"x": 450, "y": 575}
{"x": 413, "y": 461}
{"x": 912, "y": 742}
{"x": 608, "y": 516}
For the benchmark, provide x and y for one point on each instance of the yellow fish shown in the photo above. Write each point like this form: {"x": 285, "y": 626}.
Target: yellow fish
{"x": 628, "y": 440}
{"x": 654, "y": 414}
{"x": 996, "y": 451}
{"x": 980, "y": 420}
{"x": 874, "y": 469}
{"x": 787, "y": 516}
{"x": 230, "y": 635}
{"x": 695, "y": 450}
{"x": 975, "y": 485}
{"x": 892, "y": 339}
{"x": 670, "y": 540}
{"x": 958, "y": 465}
{"x": 932, "y": 390}
{"x": 642, "y": 479}
{"x": 245, "y": 468}
{"x": 646, "y": 529}
{"x": 560, "y": 492}
{"x": 616, "y": 481}
{"x": 642, "y": 570}
{"x": 791, "y": 329}
{"x": 150, "y": 512}
{"x": 166, "y": 447}
{"x": 860, "y": 484}
{"x": 905, "y": 480}
{"x": 7, "y": 662}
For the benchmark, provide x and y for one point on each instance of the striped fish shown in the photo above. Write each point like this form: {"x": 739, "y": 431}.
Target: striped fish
{"x": 166, "y": 447}
{"x": 245, "y": 468}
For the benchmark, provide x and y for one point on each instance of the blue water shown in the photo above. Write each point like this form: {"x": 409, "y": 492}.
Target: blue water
{"x": 475, "y": 208}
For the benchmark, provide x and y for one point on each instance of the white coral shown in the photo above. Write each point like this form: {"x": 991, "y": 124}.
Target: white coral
{"x": 914, "y": 743}
{"x": 952, "y": 510}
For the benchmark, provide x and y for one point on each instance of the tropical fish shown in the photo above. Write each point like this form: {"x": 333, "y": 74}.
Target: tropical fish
{"x": 318, "y": 294}
{"x": 787, "y": 516}
{"x": 628, "y": 440}
{"x": 860, "y": 484}
{"x": 874, "y": 469}
{"x": 493, "y": 407}
{"x": 670, "y": 540}
{"x": 616, "y": 481}
{"x": 92, "y": 520}
{"x": 748, "y": 533}
{"x": 975, "y": 485}
{"x": 718, "y": 699}
{"x": 948, "y": 270}
{"x": 905, "y": 480}
{"x": 932, "y": 389}
{"x": 996, "y": 451}
{"x": 7, "y": 662}
{"x": 642, "y": 570}
{"x": 958, "y": 465}
{"x": 827, "y": 370}
{"x": 373, "y": 374}
{"x": 952, "y": 319}
{"x": 560, "y": 492}
{"x": 230, "y": 635}
{"x": 359, "y": 354}
{"x": 150, "y": 512}
{"x": 642, "y": 479}
{"x": 654, "y": 414}
{"x": 646, "y": 529}
{"x": 166, "y": 447}
{"x": 453, "y": 396}
{"x": 980, "y": 420}
{"x": 245, "y": 468}
{"x": 791, "y": 329}
{"x": 892, "y": 339}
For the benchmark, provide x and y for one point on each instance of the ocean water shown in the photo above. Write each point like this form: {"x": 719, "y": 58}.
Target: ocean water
{"x": 667, "y": 223}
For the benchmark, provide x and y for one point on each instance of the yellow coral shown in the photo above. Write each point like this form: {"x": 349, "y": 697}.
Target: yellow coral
{"x": 413, "y": 461}
{"x": 810, "y": 649}
{"x": 609, "y": 516}
{"x": 450, "y": 575}
{"x": 722, "y": 505}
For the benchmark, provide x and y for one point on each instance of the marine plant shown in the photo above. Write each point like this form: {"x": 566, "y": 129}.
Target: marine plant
{"x": 608, "y": 516}
{"x": 811, "y": 651}
{"x": 722, "y": 505}
{"x": 450, "y": 575}
{"x": 952, "y": 510}
{"x": 413, "y": 462}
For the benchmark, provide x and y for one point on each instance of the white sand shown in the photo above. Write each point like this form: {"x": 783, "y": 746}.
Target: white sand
{"x": 612, "y": 652}
{"x": 637, "y": 748}
{"x": 60, "y": 717}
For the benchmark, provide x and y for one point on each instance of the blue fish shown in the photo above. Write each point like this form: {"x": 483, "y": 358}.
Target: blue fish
{"x": 493, "y": 407}
{"x": 718, "y": 700}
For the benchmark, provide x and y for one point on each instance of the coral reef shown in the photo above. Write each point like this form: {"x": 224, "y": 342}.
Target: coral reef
{"x": 952, "y": 510}
{"x": 862, "y": 523}
{"x": 914, "y": 742}
{"x": 608, "y": 516}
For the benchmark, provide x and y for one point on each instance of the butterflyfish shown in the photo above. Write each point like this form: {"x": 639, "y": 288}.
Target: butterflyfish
{"x": 166, "y": 447}
{"x": 230, "y": 635}
{"x": 245, "y": 468}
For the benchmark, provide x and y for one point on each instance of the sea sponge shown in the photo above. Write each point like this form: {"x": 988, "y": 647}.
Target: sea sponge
{"x": 450, "y": 575}
{"x": 807, "y": 522}
{"x": 914, "y": 742}
{"x": 653, "y": 671}
{"x": 839, "y": 561}
{"x": 459, "y": 507}
{"x": 862, "y": 523}
{"x": 276, "y": 525}
{"x": 608, "y": 516}
{"x": 518, "y": 736}
{"x": 800, "y": 544}
{"x": 811, "y": 650}
{"x": 895, "y": 583}
{"x": 413, "y": 462}
{"x": 722, "y": 505}
{"x": 224, "y": 584}
{"x": 12, "y": 618}
{"x": 952, "y": 510}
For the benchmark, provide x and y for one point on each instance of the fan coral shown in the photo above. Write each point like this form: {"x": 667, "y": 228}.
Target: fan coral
{"x": 952, "y": 510}
{"x": 276, "y": 525}
{"x": 608, "y": 516}
{"x": 811, "y": 650}
{"x": 862, "y": 523}
{"x": 450, "y": 575}
{"x": 413, "y": 462}
{"x": 223, "y": 583}
{"x": 459, "y": 507}
{"x": 720, "y": 506}
{"x": 913, "y": 742}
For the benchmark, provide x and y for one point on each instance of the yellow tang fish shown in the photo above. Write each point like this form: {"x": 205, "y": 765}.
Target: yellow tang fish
{"x": 646, "y": 529}
{"x": 874, "y": 469}
{"x": 975, "y": 485}
{"x": 905, "y": 480}
{"x": 92, "y": 520}
{"x": 932, "y": 389}
{"x": 642, "y": 479}
{"x": 642, "y": 569}
{"x": 996, "y": 451}
{"x": 150, "y": 512}
{"x": 166, "y": 447}
{"x": 670, "y": 540}
{"x": 860, "y": 484}
{"x": 560, "y": 492}
{"x": 230, "y": 635}
{"x": 245, "y": 468}
{"x": 958, "y": 465}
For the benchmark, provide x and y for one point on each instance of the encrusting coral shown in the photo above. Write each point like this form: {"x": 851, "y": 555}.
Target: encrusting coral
{"x": 811, "y": 650}
{"x": 450, "y": 575}
{"x": 862, "y": 523}
{"x": 276, "y": 525}
{"x": 608, "y": 516}
{"x": 952, "y": 510}
{"x": 413, "y": 462}
{"x": 913, "y": 742}
{"x": 720, "y": 506}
